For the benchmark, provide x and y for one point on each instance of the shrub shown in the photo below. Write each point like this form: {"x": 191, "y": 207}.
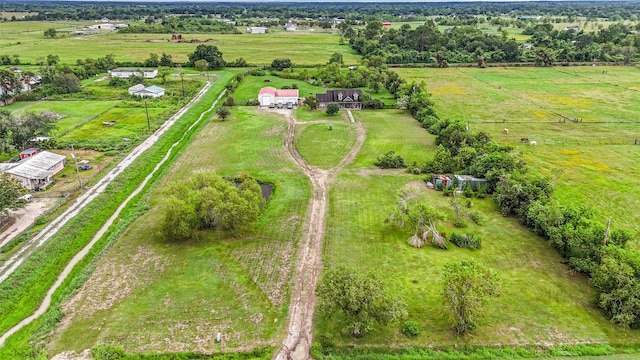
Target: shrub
{"x": 467, "y": 190}
{"x": 258, "y": 72}
{"x": 107, "y": 352}
{"x": 410, "y": 328}
{"x": 333, "y": 109}
{"x": 476, "y": 218}
{"x": 468, "y": 241}
{"x": 390, "y": 161}
{"x": 229, "y": 101}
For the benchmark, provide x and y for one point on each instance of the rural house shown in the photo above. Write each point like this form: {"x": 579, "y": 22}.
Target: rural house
{"x": 135, "y": 88}
{"x": 149, "y": 91}
{"x": 126, "y": 73}
{"x": 257, "y": 30}
{"x": 291, "y": 26}
{"x": 270, "y": 96}
{"x": 346, "y": 98}
{"x": 36, "y": 172}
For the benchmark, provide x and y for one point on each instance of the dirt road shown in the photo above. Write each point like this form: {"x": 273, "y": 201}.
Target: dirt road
{"x": 26, "y": 217}
{"x": 97, "y": 189}
{"x": 298, "y": 340}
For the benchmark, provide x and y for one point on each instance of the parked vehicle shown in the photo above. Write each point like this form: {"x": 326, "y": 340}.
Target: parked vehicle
{"x": 86, "y": 167}
{"x": 25, "y": 198}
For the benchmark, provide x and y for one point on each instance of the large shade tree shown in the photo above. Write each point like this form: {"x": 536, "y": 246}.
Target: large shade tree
{"x": 361, "y": 298}
{"x": 210, "y": 54}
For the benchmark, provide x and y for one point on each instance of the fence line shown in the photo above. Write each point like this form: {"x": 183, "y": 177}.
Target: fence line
{"x": 585, "y": 141}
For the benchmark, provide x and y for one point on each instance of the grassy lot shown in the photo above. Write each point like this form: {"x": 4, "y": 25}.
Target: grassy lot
{"x": 322, "y": 147}
{"x": 301, "y": 48}
{"x": 584, "y": 169}
{"x": 392, "y": 130}
{"x": 75, "y": 112}
{"x": 542, "y": 301}
{"x": 187, "y": 292}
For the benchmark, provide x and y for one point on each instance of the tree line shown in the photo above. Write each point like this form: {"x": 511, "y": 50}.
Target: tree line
{"x": 45, "y": 11}
{"x": 468, "y": 44}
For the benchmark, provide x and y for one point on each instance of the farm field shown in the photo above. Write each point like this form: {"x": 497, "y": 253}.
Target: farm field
{"x": 301, "y": 48}
{"x": 579, "y": 157}
{"x": 238, "y": 286}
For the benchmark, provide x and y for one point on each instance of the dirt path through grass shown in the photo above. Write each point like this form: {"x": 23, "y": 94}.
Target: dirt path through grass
{"x": 95, "y": 191}
{"x": 298, "y": 340}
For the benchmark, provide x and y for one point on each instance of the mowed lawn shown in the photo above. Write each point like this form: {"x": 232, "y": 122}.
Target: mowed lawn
{"x": 392, "y": 130}
{"x": 322, "y": 146}
{"x": 302, "y": 48}
{"x": 579, "y": 157}
{"x": 148, "y": 294}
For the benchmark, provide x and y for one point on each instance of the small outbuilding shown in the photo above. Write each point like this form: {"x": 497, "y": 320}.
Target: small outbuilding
{"x": 149, "y": 91}
{"x": 474, "y": 181}
{"x": 291, "y": 26}
{"x": 440, "y": 181}
{"x": 135, "y": 88}
{"x": 28, "y": 153}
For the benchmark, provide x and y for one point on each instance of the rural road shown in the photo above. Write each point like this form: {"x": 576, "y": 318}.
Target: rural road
{"x": 91, "y": 194}
{"x": 298, "y": 341}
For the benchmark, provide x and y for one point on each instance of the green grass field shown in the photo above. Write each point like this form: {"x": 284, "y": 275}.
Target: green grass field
{"x": 392, "y": 130}
{"x": 302, "y": 48}
{"x": 579, "y": 157}
{"x": 75, "y": 112}
{"x": 322, "y": 147}
{"x": 542, "y": 302}
{"x": 187, "y": 292}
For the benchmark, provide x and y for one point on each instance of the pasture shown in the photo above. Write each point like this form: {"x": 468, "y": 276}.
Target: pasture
{"x": 302, "y": 48}
{"x": 591, "y": 161}
{"x": 238, "y": 286}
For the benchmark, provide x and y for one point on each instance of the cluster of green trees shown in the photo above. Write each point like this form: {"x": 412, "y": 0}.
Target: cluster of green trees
{"x": 208, "y": 201}
{"x": 181, "y": 24}
{"x": 468, "y": 44}
{"x": 618, "y": 42}
{"x": 364, "y": 300}
{"x": 16, "y": 131}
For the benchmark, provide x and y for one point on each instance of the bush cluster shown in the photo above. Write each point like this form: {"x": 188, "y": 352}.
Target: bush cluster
{"x": 390, "y": 161}
{"x": 469, "y": 240}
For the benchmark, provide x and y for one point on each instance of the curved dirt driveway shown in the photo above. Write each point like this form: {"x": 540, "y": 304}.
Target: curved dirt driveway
{"x": 298, "y": 340}
{"x": 137, "y": 151}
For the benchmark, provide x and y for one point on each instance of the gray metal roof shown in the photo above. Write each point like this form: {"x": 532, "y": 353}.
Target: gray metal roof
{"x": 37, "y": 166}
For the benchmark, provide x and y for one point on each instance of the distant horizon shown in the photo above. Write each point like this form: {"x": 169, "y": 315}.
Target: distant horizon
{"x": 318, "y": 1}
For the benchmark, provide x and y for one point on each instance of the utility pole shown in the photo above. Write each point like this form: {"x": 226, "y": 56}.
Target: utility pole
{"x": 73, "y": 156}
{"x": 147, "y": 110}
